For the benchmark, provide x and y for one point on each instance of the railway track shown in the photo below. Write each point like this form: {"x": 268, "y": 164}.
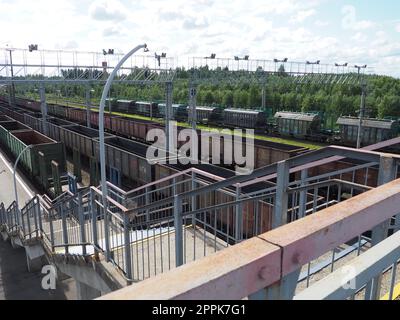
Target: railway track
{"x": 258, "y": 136}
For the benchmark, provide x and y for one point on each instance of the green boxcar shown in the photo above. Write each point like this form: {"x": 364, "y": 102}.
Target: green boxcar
{"x": 373, "y": 130}
{"x": 9, "y": 126}
{"x": 30, "y": 160}
{"x": 296, "y": 124}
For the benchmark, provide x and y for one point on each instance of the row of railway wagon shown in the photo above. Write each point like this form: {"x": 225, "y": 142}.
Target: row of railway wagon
{"x": 128, "y": 156}
{"x": 124, "y": 155}
{"x": 305, "y": 126}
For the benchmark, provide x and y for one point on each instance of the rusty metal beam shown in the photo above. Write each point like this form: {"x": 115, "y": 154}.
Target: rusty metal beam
{"x": 308, "y": 238}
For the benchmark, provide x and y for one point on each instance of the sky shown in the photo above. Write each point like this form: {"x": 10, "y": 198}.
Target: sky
{"x": 333, "y": 31}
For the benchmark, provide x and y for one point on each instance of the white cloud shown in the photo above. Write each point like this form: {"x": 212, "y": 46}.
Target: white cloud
{"x": 111, "y": 31}
{"x": 359, "y": 37}
{"x": 320, "y": 23}
{"x": 69, "y": 45}
{"x": 301, "y": 16}
{"x": 195, "y": 23}
{"x": 106, "y": 10}
{"x": 398, "y": 28}
{"x": 170, "y": 15}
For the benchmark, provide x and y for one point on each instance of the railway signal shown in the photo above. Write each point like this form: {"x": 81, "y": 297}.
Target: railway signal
{"x": 33, "y": 47}
{"x": 159, "y": 56}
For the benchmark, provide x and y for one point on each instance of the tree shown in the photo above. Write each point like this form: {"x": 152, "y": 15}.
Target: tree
{"x": 254, "y": 100}
{"x": 228, "y": 99}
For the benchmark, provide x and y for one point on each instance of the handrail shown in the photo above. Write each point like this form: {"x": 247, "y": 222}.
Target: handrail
{"x": 178, "y": 174}
{"x": 244, "y": 269}
{"x": 365, "y": 266}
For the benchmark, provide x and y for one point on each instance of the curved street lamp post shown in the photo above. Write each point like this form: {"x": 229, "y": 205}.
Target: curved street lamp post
{"x": 101, "y": 141}
{"x": 15, "y": 180}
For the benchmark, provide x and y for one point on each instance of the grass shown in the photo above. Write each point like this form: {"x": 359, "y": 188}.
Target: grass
{"x": 292, "y": 142}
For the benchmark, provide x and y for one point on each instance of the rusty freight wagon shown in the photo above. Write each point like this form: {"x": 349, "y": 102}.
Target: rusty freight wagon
{"x": 9, "y": 126}
{"x": 36, "y": 166}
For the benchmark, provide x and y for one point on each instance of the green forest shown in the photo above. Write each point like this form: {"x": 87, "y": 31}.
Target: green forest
{"x": 382, "y": 101}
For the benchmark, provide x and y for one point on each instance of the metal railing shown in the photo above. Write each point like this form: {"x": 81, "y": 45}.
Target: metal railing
{"x": 12, "y": 218}
{"x": 352, "y": 280}
{"x": 268, "y": 266}
{"x": 31, "y": 220}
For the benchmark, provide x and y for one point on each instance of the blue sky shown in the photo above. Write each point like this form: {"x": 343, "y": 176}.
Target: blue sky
{"x": 329, "y": 30}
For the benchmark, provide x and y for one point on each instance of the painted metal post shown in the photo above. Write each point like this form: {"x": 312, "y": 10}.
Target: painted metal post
{"x": 192, "y": 105}
{"x": 279, "y": 217}
{"x": 93, "y": 213}
{"x": 264, "y": 93}
{"x": 303, "y": 194}
{"x": 194, "y": 202}
{"x": 127, "y": 244}
{"x": 106, "y": 232}
{"x": 387, "y": 173}
{"x": 82, "y": 223}
{"x": 51, "y": 214}
{"x": 43, "y": 107}
{"x": 88, "y": 106}
{"x": 178, "y": 230}
{"x": 12, "y": 85}
{"x": 102, "y": 154}
{"x": 32, "y": 210}
{"x": 238, "y": 217}
{"x": 168, "y": 113}
{"x": 39, "y": 214}
{"x": 147, "y": 202}
{"x": 263, "y": 99}
{"x": 362, "y": 111}
{"x": 64, "y": 227}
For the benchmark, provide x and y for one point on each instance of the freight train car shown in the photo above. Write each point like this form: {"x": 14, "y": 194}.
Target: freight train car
{"x": 111, "y": 103}
{"x": 36, "y": 166}
{"x": 298, "y": 125}
{"x": 179, "y": 111}
{"x": 240, "y": 118}
{"x": 373, "y": 130}
{"x": 207, "y": 115}
{"x": 148, "y": 109}
{"x": 124, "y": 106}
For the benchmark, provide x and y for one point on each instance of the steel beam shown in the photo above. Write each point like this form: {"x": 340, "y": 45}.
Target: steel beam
{"x": 43, "y": 107}
{"x": 279, "y": 217}
{"x": 387, "y": 173}
{"x": 88, "y": 106}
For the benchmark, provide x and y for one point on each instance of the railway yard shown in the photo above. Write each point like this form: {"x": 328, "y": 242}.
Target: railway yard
{"x": 116, "y": 225}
